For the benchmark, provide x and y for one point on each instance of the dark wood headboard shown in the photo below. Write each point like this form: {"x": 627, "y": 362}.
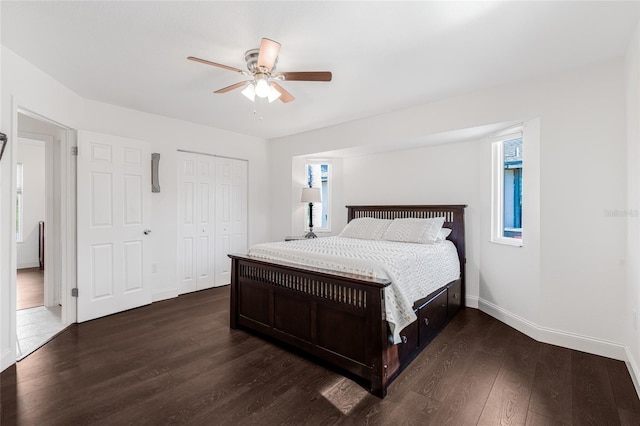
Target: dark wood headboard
{"x": 453, "y": 219}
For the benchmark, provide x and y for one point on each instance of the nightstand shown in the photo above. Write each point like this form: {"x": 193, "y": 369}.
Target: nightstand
{"x": 294, "y": 238}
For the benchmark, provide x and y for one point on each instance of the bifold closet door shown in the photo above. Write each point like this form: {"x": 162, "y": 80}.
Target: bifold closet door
{"x": 196, "y": 226}
{"x": 231, "y": 214}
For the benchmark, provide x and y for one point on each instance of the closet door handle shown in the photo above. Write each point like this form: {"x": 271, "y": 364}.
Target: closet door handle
{"x": 426, "y": 321}
{"x": 146, "y": 231}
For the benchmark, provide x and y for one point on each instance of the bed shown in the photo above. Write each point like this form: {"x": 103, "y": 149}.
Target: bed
{"x": 339, "y": 317}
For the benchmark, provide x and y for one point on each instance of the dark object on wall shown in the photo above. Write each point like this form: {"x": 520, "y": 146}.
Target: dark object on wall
{"x": 3, "y": 143}
{"x": 155, "y": 163}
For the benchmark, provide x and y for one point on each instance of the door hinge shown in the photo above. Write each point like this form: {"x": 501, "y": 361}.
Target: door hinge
{"x": 74, "y": 292}
{"x": 74, "y": 150}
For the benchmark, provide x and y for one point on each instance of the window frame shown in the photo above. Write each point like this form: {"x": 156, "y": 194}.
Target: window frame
{"x": 497, "y": 186}
{"x": 318, "y": 227}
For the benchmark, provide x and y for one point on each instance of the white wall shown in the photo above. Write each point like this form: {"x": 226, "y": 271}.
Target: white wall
{"x": 31, "y": 155}
{"x": 583, "y": 250}
{"x": 25, "y": 86}
{"x": 577, "y": 285}
{"x": 633, "y": 209}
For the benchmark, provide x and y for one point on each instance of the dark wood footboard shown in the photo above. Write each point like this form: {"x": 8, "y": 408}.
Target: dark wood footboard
{"x": 335, "y": 318}
{"x": 339, "y": 318}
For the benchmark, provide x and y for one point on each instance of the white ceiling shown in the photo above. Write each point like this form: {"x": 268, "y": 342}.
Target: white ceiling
{"x": 384, "y": 56}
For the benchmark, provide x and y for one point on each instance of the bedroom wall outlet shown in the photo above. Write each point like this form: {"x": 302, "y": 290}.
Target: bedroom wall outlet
{"x": 154, "y": 268}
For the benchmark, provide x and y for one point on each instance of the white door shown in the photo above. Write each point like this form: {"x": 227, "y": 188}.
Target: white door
{"x": 113, "y": 202}
{"x": 196, "y": 201}
{"x": 231, "y": 214}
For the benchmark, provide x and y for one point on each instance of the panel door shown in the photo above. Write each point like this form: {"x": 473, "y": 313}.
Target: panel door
{"x": 231, "y": 214}
{"x": 187, "y": 188}
{"x": 113, "y": 215}
{"x": 196, "y": 208}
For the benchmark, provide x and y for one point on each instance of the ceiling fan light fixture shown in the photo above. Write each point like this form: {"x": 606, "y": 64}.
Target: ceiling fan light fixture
{"x": 250, "y": 92}
{"x": 264, "y": 81}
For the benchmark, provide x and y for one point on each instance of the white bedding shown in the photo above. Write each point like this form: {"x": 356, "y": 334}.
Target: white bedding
{"x": 415, "y": 270}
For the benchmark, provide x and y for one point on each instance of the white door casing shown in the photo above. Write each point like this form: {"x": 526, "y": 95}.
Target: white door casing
{"x": 196, "y": 208}
{"x": 113, "y": 215}
{"x": 231, "y": 214}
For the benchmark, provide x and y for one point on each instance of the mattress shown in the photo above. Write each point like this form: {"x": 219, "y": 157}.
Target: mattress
{"x": 415, "y": 270}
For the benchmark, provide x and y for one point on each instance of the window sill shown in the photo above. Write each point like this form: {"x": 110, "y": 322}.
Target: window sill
{"x": 514, "y": 242}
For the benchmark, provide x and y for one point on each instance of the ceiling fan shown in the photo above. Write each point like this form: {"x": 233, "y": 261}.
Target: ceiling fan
{"x": 264, "y": 82}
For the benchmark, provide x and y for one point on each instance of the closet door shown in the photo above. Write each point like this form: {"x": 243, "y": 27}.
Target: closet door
{"x": 231, "y": 214}
{"x": 196, "y": 186}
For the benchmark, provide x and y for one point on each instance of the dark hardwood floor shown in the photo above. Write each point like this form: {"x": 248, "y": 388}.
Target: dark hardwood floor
{"x": 30, "y": 288}
{"x": 177, "y": 362}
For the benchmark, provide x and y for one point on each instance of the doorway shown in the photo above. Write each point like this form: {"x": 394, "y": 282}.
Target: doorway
{"x": 39, "y": 177}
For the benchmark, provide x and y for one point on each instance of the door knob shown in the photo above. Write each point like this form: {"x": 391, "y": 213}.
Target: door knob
{"x": 147, "y": 231}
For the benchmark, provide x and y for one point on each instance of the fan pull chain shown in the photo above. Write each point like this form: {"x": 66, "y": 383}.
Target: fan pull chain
{"x": 255, "y": 110}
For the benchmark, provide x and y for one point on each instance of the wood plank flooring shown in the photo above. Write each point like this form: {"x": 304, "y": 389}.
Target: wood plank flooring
{"x": 177, "y": 362}
{"x": 30, "y": 288}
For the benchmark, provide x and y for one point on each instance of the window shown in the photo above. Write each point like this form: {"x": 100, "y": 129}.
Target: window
{"x": 19, "y": 212}
{"x": 318, "y": 175}
{"x": 506, "y": 212}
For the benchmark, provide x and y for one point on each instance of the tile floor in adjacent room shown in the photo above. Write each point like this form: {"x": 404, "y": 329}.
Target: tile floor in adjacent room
{"x": 35, "y": 327}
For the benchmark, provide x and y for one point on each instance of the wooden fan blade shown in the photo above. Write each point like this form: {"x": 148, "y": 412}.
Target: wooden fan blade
{"x": 305, "y": 75}
{"x": 285, "y": 96}
{"x": 204, "y": 61}
{"x": 232, "y": 87}
{"x": 268, "y": 54}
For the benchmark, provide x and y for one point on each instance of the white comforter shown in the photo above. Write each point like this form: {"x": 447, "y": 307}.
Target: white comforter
{"x": 415, "y": 270}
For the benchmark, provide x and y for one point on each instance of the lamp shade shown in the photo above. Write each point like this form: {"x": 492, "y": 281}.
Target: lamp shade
{"x": 273, "y": 94}
{"x": 262, "y": 86}
{"x": 250, "y": 92}
{"x": 311, "y": 195}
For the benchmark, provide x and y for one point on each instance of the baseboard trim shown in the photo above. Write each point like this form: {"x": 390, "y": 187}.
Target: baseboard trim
{"x": 632, "y": 366}
{"x": 471, "y": 302}
{"x": 583, "y": 343}
{"x": 164, "y": 295}
{"x": 28, "y": 265}
{"x": 7, "y": 360}
{"x": 555, "y": 337}
{"x": 521, "y": 324}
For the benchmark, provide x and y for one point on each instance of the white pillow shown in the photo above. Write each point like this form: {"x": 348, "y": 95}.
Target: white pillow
{"x": 366, "y": 228}
{"x": 443, "y": 234}
{"x": 424, "y": 231}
